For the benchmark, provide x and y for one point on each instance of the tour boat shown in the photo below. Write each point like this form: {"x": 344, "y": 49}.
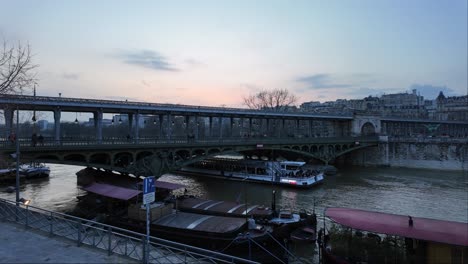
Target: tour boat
{"x": 285, "y": 173}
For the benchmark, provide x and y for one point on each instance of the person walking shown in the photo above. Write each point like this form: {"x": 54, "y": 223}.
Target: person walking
{"x": 34, "y": 139}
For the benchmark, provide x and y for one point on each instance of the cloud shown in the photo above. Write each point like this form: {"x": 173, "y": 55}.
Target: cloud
{"x": 194, "y": 63}
{"x": 432, "y": 91}
{"x": 70, "y": 76}
{"x": 148, "y": 59}
{"x": 320, "y": 81}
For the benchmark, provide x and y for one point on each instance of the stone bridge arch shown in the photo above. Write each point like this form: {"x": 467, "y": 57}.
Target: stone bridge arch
{"x": 366, "y": 125}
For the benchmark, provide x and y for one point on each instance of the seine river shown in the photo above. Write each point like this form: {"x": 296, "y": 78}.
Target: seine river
{"x": 422, "y": 193}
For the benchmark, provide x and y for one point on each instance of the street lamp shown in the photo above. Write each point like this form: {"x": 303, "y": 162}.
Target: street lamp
{"x": 24, "y": 201}
{"x": 17, "y": 156}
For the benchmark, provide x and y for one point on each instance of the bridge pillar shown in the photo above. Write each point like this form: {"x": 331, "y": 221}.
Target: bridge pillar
{"x": 98, "y": 125}
{"x": 8, "y": 121}
{"x": 137, "y": 128}
{"x": 57, "y": 114}
{"x": 310, "y": 127}
{"x": 130, "y": 124}
{"x": 197, "y": 127}
{"x": 210, "y": 125}
{"x": 267, "y": 127}
{"x": 220, "y": 121}
{"x": 161, "y": 130}
{"x": 187, "y": 126}
{"x": 296, "y": 127}
{"x": 169, "y": 127}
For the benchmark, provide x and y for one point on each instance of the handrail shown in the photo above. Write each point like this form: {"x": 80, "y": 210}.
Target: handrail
{"x": 64, "y": 143}
{"x": 113, "y": 239}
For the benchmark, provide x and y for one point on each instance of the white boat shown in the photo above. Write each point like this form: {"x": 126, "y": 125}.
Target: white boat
{"x": 287, "y": 173}
{"x": 34, "y": 170}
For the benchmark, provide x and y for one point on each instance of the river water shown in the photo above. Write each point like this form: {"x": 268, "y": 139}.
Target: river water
{"x": 423, "y": 193}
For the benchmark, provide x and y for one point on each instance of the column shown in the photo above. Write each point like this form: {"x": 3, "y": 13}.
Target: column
{"x": 161, "y": 131}
{"x": 8, "y": 121}
{"x": 250, "y": 127}
{"x": 57, "y": 114}
{"x": 137, "y": 128}
{"x": 169, "y": 126}
{"x": 98, "y": 125}
{"x": 311, "y": 123}
{"x": 197, "y": 127}
{"x": 231, "y": 128}
{"x": 283, "y": 122}
{"x": 241, "y": 127}
{"x": 210, "y": 120}
{"x": 296, "y": 132}
{"x": 267, "y": 127}
{"x": 187, "y": 126}
{"x": 130, "y": 124}
{"x": 220, "y": 123}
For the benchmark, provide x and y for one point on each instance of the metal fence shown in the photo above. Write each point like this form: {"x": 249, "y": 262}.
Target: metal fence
{"x": 77, "y": 142}
{"x": 112, "y": 239}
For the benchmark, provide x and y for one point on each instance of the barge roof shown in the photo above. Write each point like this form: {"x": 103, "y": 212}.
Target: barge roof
{"x": 441, "y": 231}
{"x": 222, "y": 207}
{"x": 112, "y": 191}
{"x": 203, "y": 223}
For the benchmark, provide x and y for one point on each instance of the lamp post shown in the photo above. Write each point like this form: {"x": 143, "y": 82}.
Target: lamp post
{"x": 17, "y": 157}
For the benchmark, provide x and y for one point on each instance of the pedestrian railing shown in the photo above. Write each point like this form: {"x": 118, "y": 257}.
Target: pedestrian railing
{"x": 112, "y": 239}
{"x": 83, "y": 142}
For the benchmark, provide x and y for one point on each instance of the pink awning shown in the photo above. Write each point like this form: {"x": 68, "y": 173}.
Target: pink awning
{"x": 448, "y": 232}
{"x": 112, "y": 191}
{"x": 166, "y": 185}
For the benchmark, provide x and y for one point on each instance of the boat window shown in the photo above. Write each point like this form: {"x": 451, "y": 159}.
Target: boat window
{"x": 285, "y": 215}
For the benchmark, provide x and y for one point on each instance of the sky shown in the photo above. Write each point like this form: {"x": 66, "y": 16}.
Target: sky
{"x": 216, "y": 52}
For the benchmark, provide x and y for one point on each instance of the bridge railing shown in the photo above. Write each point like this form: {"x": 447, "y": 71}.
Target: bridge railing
{"x": 71, "y": 142}
{"x": 112, "y": 239}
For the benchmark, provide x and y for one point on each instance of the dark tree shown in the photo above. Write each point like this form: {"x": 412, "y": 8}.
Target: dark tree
{"x": 278, "y": 100}
{"x": 16, "y": 69}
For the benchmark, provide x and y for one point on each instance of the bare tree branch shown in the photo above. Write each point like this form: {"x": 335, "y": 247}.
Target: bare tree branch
{"x": 278, "y": 100}
{"x": 16, "y": 69}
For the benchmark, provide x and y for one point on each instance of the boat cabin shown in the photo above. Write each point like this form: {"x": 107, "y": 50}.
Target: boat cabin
{"x": 359, "y": 236}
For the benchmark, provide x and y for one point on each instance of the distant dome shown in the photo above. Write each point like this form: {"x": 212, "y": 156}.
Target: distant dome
{"x": 441, "y": 96}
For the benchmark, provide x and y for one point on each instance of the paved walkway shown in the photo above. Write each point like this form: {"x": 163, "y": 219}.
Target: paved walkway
{"x": 19, "y": 245}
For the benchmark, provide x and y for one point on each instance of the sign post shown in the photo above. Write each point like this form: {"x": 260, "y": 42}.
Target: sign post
{"x": 149, "y": 189}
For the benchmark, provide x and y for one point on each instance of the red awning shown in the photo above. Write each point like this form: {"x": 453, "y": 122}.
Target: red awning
{"x": 112, "y": 191}
{"x": 448, "y": 232}
{"x": 166, "y": 185}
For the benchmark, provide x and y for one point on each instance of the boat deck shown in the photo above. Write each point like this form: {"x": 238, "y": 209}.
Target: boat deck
{"x": 204, "y": 206}
{"x": 203, "y": 223}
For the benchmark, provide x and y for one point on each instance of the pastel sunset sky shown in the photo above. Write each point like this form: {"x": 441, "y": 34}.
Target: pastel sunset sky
{"x": 215, "y": 52}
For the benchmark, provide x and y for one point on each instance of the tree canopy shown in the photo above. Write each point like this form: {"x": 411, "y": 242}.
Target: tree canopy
{"x": 277, "y": 100}
{"x": 16, "y": 69}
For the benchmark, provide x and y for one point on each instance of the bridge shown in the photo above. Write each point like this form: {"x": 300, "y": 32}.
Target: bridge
{"x": 183, "y": 134}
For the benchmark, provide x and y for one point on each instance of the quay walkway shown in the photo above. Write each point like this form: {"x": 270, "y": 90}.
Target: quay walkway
{"x": 33, "y": 235}
{"x": 18, "y": 245}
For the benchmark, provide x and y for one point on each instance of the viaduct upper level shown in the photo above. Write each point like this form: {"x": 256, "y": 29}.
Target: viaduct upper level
{"x": 196, "y": 122}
